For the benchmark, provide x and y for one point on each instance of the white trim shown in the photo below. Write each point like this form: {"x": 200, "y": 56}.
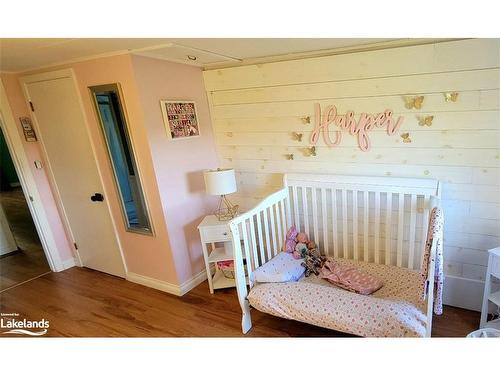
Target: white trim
{"x": 69, "y": 263}
{"x": 28, "y": 184}
{"x": 177, "y": 290}
{"x": 193, "y": 282}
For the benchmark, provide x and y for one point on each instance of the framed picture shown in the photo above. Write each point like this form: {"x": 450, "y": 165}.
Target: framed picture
{"x": 29, "y": 132}
{"x": 180, "y": 118}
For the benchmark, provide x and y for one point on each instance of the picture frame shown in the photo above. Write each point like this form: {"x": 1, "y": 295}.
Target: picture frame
{"x": 28, "y": 131}
{"x": 180, "y": 119}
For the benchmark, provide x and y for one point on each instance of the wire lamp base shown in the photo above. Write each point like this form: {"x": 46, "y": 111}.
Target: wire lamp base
{"x": 226, "y": 210}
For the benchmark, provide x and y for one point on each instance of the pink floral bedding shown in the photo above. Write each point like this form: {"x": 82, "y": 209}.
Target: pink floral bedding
{"x": 395, "y": 310}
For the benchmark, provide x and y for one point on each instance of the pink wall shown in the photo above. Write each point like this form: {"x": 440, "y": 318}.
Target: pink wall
{"x": 33, "y": 152}
{"x": 171, "y": 172}
{"x": 178, "y": 164}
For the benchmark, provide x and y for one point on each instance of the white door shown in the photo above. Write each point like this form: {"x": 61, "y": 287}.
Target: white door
{"x": 72, "y": 166}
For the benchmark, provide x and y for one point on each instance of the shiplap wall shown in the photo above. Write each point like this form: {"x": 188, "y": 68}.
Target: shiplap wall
{"x": 256, "y": 108}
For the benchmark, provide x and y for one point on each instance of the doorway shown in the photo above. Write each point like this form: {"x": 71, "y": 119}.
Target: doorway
{"x": 21, "y": 253}
{"x": 72, "y": 168}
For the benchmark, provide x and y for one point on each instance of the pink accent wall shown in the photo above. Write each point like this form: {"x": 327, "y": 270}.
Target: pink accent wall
{"x": 33, "y": 152}
{"x": 171, "y": 171}
{"x": 178, "y": 164}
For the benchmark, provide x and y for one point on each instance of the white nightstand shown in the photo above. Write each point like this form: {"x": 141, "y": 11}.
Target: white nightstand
{"x": 492, "y": 273}
{"x": 213, "y": 231}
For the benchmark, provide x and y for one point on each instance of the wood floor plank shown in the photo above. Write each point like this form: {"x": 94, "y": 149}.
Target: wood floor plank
{"x": 84, "y": 303}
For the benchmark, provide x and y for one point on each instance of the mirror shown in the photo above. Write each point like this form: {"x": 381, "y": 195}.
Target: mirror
{"x": 110, "y": 110}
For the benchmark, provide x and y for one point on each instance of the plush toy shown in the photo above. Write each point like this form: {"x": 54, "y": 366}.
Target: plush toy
{"x": 302, "y": 238}
{"x": 301, "y": 247}
{"x": 313, "y": 262}
{"x": 290, "y": 241}
{"x": 301, "y": 250}
{"x": 311, "y": 245}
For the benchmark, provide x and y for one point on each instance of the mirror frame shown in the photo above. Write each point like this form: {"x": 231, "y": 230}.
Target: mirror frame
{"x": 115, "y": 87}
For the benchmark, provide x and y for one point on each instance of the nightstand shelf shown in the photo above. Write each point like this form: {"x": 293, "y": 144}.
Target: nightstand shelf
{"x": 219, "y": 254}
{"x": 495, "y": 298}
{"x": 491, "y": 296}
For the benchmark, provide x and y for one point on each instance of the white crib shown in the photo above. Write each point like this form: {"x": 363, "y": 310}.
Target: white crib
{"x": 381, "y": 220}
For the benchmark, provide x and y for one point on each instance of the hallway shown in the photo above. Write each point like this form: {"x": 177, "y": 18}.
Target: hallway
{"x": 30, "y": 260}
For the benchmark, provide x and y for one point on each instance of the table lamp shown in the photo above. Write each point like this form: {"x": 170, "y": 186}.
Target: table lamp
{"x": 222, "y": 182}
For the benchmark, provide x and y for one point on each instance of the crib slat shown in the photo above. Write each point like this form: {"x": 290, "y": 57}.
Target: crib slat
{"x": 425, "y": 223}
{"x": 314, "y": 203}
{"x": 296, "y": 207}
{"x": 376, "y": 239}
{"x": 261, "y": 238}
{"x": 401, "y": 208}
{"x": 285, "y": 225}
{"x": 273, "y": 230}
{"x": 345, "y": 252}
{"x": 413, "y": 224}
{"x": 366, "y": 210}
{"x": 288, "y": 209}
{"x": 324, "y": 216}
{"x": 254, "y": 243}
{"x": 334, "y": 223}
{"x": 244, "y": 237}
{"x": 279, "y": 222}
{"x": 305, "y": 210}
{"x": 266, "y": 231}
{"x": 388, "y": 228}
{"x": 355, "y": 223}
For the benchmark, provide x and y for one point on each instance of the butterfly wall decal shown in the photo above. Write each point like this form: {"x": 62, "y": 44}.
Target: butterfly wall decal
{"x": 311, "y": 151}
{"x": 297, "y": 136}
{"x": 306, "y": 120}
{"x": 406, "y": 137}
{"x": 289, "y": 156}
{"x": 414, "y": 102}
{"x": 451, "y": 96}
{"x": 425, "y": 120}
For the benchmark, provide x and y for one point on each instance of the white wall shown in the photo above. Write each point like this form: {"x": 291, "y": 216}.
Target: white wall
{"x": 256, "y": 108}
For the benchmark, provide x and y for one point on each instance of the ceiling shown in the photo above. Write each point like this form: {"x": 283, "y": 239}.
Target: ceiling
{"x": 18, "y": 55}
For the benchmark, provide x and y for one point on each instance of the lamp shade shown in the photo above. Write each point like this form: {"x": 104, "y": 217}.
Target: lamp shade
{"x": 220, "y": 181}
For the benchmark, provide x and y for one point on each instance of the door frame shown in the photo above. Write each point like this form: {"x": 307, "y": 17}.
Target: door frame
{"x": 61, "y": 74}
{"x": 29, "y": 186}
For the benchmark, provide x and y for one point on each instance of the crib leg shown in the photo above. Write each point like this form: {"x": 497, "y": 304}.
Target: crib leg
{"x": 246, "y": 318}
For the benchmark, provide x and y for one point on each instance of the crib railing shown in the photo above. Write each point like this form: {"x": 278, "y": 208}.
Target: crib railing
{"x": 372, "y": 219}
{"x": 258, "y": 235}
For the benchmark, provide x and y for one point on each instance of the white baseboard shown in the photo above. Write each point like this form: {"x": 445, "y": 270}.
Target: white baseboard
{"x": 193, "y": 282}
{"x": 178, "y": 290}
{"x": 464, "y": 293}
{"x": 68, "y": 263}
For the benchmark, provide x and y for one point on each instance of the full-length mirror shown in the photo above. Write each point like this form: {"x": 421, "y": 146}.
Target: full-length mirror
{"x": 110, "y": 110}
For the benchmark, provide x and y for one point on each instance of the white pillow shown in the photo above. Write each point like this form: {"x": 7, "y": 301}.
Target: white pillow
{"x": 282, "y": 268}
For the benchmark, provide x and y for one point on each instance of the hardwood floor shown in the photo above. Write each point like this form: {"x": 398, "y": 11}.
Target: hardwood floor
{"x": 30, "y": 261}
{"x": 84, "y": 303}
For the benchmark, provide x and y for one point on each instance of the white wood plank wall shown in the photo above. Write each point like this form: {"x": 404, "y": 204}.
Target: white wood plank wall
{"x": 256, "y": 108}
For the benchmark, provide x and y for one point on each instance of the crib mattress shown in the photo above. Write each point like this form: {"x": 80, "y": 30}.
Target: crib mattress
{"x": 395, "y": 310}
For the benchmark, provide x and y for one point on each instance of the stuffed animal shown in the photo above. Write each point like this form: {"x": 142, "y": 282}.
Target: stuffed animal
{"x": 302, "y": 238}
{"x": 313, "y": 263}
{"x": 301, "y": 247}
{"x": 290, "y": 241}
{"x": 301, "y": 251}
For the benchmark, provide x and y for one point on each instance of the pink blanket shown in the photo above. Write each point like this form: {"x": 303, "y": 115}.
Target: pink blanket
{"x": 434, "y": 233}
{"x": 349, "y": 277}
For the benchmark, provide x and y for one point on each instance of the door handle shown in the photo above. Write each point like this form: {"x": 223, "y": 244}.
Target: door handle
{"x": 97, "y": 197}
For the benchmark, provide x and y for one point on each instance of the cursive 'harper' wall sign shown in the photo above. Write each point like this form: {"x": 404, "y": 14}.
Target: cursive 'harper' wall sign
{"x": 347, "y": 123}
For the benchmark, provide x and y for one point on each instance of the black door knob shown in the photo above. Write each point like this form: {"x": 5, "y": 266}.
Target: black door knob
{"x": 97, "y": 197}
